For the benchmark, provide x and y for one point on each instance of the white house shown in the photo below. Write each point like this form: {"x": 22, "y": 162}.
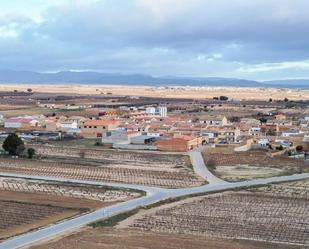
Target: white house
{"x": 68, "y": 124}
{"x": 292, "y": 133}
{"x": 264, "y": 142}
{"x": 151, "y": 110}
{"x": 215, "y": 121}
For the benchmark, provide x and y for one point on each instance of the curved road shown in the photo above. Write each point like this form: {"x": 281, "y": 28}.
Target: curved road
{"x": 201, "y": 170}
{"x": 153, "y": 194}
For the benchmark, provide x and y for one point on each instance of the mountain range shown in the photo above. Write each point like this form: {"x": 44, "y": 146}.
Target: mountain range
{"x": 88, "y": 77}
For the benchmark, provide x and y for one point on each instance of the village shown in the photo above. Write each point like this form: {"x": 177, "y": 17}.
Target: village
{"x": 78, "y": 155}
{"x": 172, "y": 127}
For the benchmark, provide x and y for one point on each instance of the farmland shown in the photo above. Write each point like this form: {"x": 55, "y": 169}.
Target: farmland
{"x": 132, "y": 158}
{"x": 249, "y": 215}
{"x": 244, "y": 219}
{"x": 17, "y": 217}
{"x": 111, "y": 238}
{"x": 66, "y": 190}
{"x": 172, "y": 177}
{"x": 29, "y": 204}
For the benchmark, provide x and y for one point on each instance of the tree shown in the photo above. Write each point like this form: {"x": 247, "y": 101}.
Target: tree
{"x": 270, "y": 100}
{"x": 29, "y": 90}
{"x": 263, "y": 120}
{"x": 286, "y": 100}
{"x": 31, "y": 153}
{"x": 13, "y": 144}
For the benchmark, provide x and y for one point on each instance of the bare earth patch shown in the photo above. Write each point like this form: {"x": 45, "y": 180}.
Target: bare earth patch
{"x": 245, "y": 172}
{"x": 232, "y": 166}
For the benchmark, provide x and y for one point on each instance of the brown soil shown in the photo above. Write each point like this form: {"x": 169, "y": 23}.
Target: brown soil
{"x": 53, "y": 200}
{"x": 110, "y": 238}
{"x": 66, "y": 207}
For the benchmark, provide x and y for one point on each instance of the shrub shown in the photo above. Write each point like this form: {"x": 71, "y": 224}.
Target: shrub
{"x": 31, "y": 153}
{"x": 211, "y": 164}
{"x": 299, "y": 148}
{"x": 223, "y": 98}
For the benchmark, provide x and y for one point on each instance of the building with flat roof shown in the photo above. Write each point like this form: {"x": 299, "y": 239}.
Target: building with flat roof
{"x": 96, "y": 128}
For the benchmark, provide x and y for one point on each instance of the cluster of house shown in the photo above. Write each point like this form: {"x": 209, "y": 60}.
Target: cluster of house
{"x": 155, "y": 130}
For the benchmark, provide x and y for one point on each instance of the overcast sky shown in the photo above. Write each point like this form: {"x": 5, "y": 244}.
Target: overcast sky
{"x": 253, "y": 39}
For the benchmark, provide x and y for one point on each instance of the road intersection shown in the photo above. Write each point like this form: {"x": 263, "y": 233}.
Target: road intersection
{"x": 153, "y": 195}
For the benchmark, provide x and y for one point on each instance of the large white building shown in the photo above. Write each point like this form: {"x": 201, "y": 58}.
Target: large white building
{"x": 161, "y": 111}
{"x": 158, "y": 111}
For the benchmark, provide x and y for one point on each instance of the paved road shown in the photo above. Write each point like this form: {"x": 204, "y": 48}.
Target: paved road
{"x": 154, "y": 194}
{"x": 201, "y": 170}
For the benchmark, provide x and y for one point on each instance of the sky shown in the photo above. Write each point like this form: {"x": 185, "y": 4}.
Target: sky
{"x": 259, "y": 40}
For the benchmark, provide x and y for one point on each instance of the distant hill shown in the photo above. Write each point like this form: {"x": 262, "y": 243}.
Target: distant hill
{"x": 299, "y": 83}
{"x": 11, "y": 76}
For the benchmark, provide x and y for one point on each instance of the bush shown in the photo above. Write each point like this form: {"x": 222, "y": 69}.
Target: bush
{"x": 31, "y": 153}
{"x": 223, "y": 98}
{"x": 299, "y": 148}
{"x": 13, "y": 145}
{"x": 82, "y": 154}
{"x": 211, "y": 164}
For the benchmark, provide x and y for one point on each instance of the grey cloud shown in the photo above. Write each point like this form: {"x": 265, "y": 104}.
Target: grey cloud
{"x": 156, "y": 36}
